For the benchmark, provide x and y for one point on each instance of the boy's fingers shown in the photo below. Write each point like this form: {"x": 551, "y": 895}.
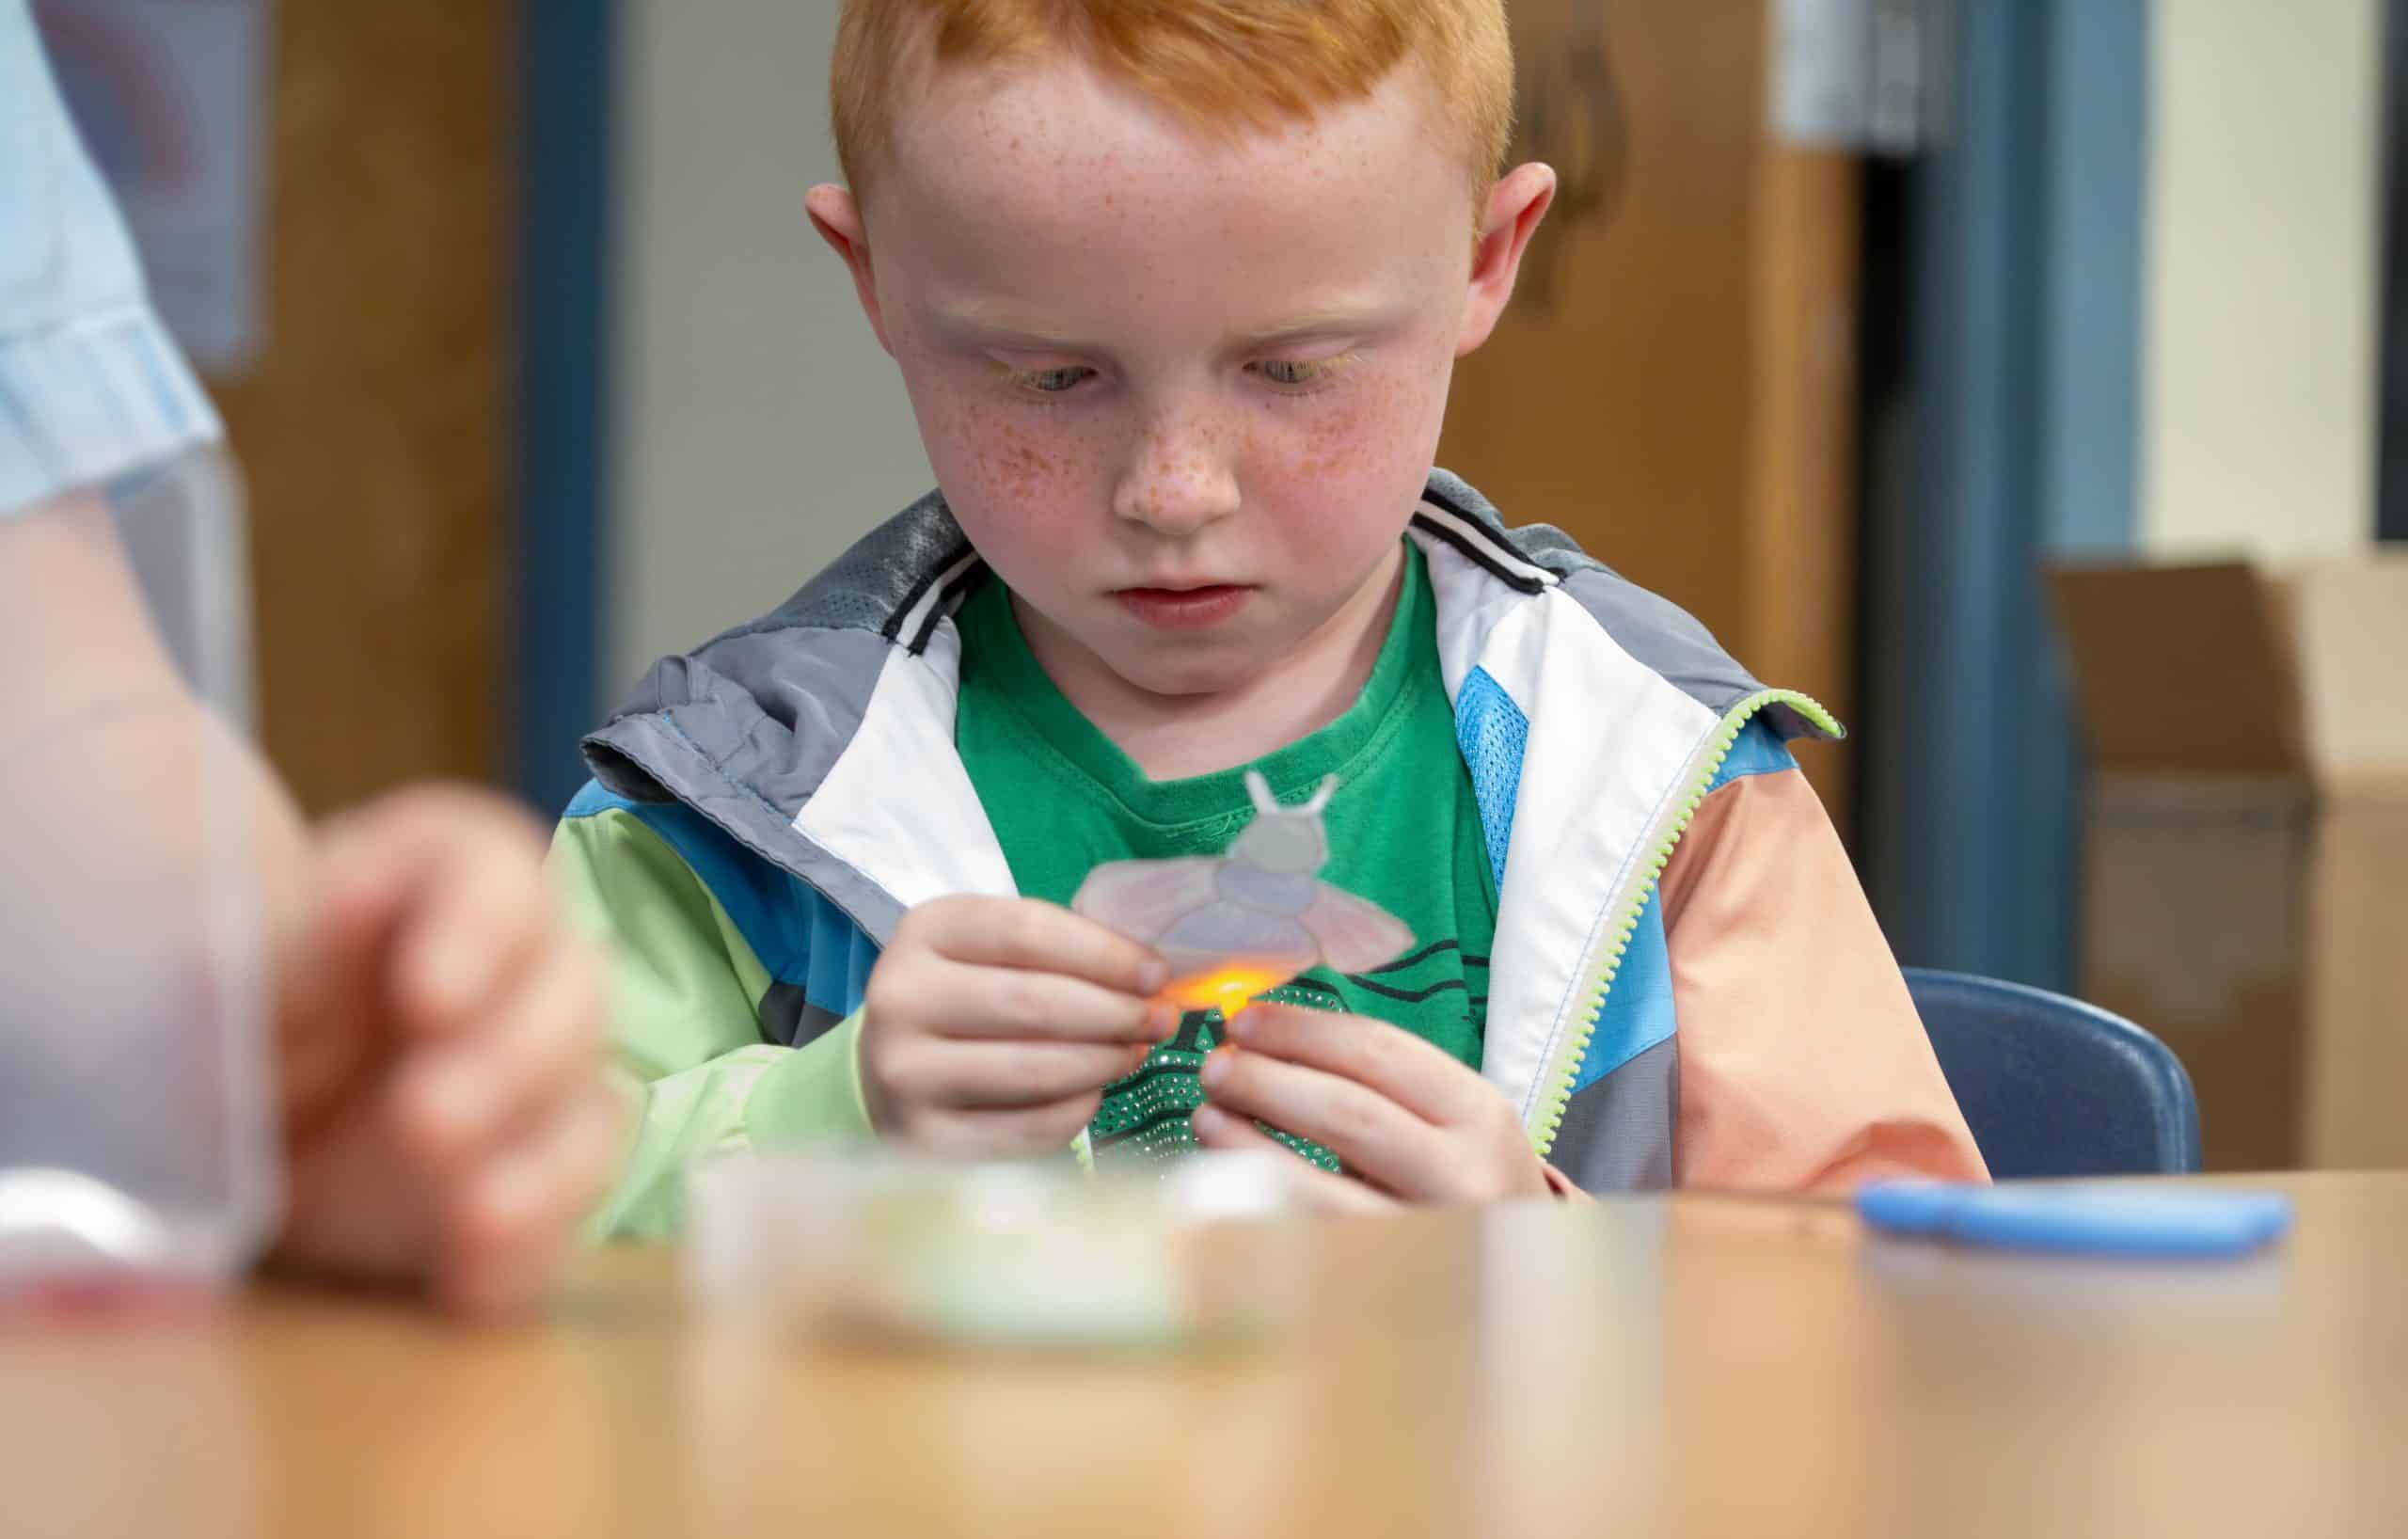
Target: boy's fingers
{"x": 545, "y": 1039}
{"x": 1399, "y": 1111}
{"x": 1008, "y": 1134}
{"x": 1372, "y": 1136}
{"x": 1008, "y": 1003}
{"x": 981, "y": 1076}
{"x": 1418, "y": 1075}
{"x": 1042, "y": 936}
{"x": 510, "y": 1229}
{"x": 1216, "y": 1129}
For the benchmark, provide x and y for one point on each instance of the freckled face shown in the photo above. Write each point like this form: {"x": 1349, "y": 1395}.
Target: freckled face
{"x": 1182, "y": 394}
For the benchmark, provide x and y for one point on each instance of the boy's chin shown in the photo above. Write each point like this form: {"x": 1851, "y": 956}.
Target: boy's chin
{"x": 1174, "y": 682}
{"x": 1185, "y": 671}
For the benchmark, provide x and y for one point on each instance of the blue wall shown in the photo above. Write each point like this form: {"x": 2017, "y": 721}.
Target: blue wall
{"x": 568, "y": 77}
{"x": 2019, "y": 402}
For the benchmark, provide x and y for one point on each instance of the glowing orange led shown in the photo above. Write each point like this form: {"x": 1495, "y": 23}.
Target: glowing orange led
{"x": 1229, "y": 988}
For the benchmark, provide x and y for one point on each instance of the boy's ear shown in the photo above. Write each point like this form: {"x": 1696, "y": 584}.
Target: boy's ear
{"x": 838, "y": 219}
{"x": 1515, "y": 205}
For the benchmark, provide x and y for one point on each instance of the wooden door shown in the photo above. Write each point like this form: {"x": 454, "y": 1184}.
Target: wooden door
{"x": 372, "y": 429}
{"x": 1675, "y": 383}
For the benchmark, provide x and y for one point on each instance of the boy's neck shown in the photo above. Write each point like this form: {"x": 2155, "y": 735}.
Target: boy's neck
{"x": 1177, "y": 737}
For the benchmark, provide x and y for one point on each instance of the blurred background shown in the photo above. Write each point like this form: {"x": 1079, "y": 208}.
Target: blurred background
{"x": 1855, "y": 318}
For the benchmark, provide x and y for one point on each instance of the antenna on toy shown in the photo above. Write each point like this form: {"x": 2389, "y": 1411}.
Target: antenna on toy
{"x": 1259, "y": 790}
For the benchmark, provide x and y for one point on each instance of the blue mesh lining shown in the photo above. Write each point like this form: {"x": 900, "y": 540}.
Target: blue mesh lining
{"x": 1492, "y": 732}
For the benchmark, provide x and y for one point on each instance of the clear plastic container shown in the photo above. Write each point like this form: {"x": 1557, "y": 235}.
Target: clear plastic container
{"x": 1203, "y": 1252}
{"x": 135, "y": 1118}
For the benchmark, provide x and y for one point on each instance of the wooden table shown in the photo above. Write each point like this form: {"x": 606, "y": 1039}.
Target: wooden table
{"x": 1692, "y": 1367}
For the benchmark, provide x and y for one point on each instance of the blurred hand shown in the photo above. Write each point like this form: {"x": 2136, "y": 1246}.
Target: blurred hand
{"x": 441, "y": 1035}
{"x": 992, "y": 1025}
{"x": 1408, "y": 1123}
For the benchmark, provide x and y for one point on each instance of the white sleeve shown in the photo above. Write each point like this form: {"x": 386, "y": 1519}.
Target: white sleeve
{"x": 91, "y": 388}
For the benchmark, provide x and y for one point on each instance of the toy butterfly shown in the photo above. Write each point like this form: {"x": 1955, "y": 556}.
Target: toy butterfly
{"x": 1231, "y": 927}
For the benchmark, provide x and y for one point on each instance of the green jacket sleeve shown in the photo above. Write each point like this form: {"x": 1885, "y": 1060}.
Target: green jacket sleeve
{"x": 686, "y": 1039}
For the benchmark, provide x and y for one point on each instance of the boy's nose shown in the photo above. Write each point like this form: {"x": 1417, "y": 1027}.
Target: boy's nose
{"x": 1176, "y": 485}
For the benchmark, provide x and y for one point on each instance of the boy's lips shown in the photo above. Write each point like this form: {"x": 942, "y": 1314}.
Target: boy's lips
{"x": 1185, "y": 608}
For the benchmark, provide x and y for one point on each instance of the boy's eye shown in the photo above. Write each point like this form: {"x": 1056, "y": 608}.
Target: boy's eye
{"x": 1294, "y": 373}
{"x": 1054, "y": 381}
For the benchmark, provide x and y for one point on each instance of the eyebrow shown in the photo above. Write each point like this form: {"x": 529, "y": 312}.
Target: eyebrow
{"x": 1319, "y": 323}
{"x": 998, "y": 328}
{"x": 1002, "y": 329}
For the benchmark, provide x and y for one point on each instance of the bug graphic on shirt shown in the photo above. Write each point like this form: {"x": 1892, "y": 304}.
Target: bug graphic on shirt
{"x": 1232, "y": 926}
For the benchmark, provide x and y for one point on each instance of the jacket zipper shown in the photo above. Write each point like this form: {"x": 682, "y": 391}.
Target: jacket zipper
{"x": 1604, "y": 955}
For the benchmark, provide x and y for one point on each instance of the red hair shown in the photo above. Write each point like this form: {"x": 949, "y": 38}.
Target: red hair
{"x": 1223, "y": 64}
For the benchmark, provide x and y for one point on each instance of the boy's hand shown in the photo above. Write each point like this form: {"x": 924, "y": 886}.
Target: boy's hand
{"x": 991, "y": 1025}
{"x": 442, "y": 1034}
{"x": 1407, "y": 1121}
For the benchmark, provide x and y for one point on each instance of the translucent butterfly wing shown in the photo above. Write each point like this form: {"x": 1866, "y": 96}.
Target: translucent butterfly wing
{"x": 1354, "y": 935}
{"x": 1142, "y": 899}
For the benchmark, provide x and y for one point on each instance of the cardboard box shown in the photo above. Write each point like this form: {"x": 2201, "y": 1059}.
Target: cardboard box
{"x": 2245, "y": 868}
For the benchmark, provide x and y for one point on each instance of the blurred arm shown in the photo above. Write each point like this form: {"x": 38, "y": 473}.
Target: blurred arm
{"x": 91, "y": 693}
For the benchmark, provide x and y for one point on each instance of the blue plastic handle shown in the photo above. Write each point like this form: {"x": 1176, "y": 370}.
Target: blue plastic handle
{"x": 2098, "y": 1220}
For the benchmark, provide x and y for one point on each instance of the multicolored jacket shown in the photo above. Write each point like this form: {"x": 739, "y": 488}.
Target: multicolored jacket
{"x": 1686, "y": 984}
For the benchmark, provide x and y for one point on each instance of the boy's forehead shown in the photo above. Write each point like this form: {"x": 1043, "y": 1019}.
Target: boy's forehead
{"x": 1053, "y": 141}
{"x": 1044, "y": 204}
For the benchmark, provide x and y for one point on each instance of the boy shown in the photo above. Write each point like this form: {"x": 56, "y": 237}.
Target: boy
{"x": 1176, "y": 290}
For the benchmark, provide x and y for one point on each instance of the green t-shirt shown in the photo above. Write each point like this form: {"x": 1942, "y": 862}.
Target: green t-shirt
{"x": 1404, "y": 831}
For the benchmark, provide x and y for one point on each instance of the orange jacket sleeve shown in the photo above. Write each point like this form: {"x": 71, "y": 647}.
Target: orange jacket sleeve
{"x": 1802, "y": 1062}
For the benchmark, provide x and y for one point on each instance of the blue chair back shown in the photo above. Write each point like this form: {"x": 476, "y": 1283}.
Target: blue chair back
{"x": 2053, "y": 1086}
